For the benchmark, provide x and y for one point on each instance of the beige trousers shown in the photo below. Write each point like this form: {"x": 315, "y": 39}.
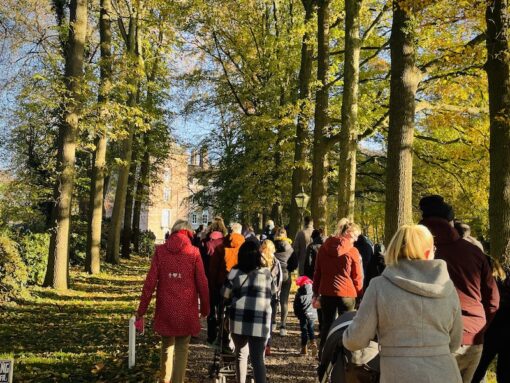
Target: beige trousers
{"x": 174, "y": 358}
{"x": 468, "y": 357}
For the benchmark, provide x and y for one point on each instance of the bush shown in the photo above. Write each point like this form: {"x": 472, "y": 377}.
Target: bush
{"x": 34, "y": 252}
{"x": 78, "y": 242}
{"x": 147, "y": 243}
{"x": 13, "y": 271}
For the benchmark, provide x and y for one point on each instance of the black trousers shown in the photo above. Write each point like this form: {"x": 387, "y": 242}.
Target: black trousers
{"x": 497, "y": 342}
{"x": 330, "y": 307}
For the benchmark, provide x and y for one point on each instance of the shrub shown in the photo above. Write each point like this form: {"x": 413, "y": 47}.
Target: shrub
{"x": 13, "y": 271}
{"x": 147, "y": 243}
{"x": 34, "y": 252}
{"x": 78, "y": 242}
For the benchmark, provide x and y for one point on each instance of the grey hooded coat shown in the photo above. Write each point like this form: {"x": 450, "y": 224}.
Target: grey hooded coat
{"x": 414, "y": 310}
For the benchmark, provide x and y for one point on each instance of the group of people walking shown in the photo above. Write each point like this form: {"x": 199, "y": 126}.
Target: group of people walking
{"x": 430, "y": 299}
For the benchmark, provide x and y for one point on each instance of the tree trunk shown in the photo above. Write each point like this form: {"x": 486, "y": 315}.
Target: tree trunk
{"x": 349, "y": 129}
{"x": 97, "y": 182}
{"x": 405, "y": 77}
{"x": 113, "y": 247}
{"x": 299, "y": 173}
{"x": 141, "y": 193}
{"x": 498, "y": 73}
{"x": 58, "y": 258}
{"x": 319, "y": 196}
{"x": 128, "y": 211}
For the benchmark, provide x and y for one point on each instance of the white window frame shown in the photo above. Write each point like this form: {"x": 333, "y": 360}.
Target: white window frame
{"x": 167, "y": 194}
{"x": 166, "y": 215}
{"x": 205, "y": 217}
{"x": 194, "y": 218}
{"x": 167, "y": 176}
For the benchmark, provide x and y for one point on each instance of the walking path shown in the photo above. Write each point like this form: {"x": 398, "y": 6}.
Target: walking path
{"x": 81, "y": 335}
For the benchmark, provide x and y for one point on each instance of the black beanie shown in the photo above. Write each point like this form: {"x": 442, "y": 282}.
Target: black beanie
{"x": 434, "y": 206}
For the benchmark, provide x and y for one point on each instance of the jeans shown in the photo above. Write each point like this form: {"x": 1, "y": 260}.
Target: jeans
{"x": 307, "y": 330}
{"x": 174, "y": 358}
{"x": 284, "y": 299}
{"x": 254, "y": 347}
{"x": 330, "y": 306}
{"x": 468, "y": 357}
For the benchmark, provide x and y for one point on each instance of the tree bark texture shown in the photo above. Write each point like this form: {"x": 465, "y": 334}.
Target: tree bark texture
{"x": 97, "y": 182}
{"x": 128, "y": 211}
{"x": 141, "y": 193}
{"x": 405, "y": 77}
{"x": 58, "y": 258}
{"x": 349, "y": 129}
{"x": 319, "y": 195}
{"x": 498, "y": 73}
{"x": 113, "y": 247}
{"x": 299, "y": 172}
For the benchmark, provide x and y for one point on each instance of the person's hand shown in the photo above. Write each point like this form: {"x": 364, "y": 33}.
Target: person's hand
{"x": 203, "y": 316}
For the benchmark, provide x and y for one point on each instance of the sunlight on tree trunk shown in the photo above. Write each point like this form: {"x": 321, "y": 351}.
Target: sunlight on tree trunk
{"x": 58, "y": 258}
{"x": 405, "y": 77}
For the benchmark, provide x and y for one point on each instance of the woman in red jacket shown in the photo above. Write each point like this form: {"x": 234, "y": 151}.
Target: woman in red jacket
{"x": 178, "y": 273}
{"x": 338, "y": 276}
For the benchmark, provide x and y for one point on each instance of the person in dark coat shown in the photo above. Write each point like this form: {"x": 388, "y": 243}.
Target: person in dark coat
{"x": 471, "y": 274}
{"x": 283, "y": 253}
{"x": 306, "y": 314}
{"x": 376, "y": 265}
{"x": 366, "y": 250}
{"x": 497, "y": 337}
{"x": 312, "y": 250}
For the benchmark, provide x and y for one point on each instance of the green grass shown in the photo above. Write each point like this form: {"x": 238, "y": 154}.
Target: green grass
{"x": 79, "y": 335}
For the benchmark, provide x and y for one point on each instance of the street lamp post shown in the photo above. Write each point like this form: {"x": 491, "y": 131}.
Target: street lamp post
{"x": 302, "y": 202}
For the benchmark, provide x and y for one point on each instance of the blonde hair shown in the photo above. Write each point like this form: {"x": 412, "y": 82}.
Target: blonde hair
{"x": 267, "y": 249}
{"x": 281, "y": 233}
{"x": 345, "y": 225}
{"x": 409, "y": 242}
{"x": 236, "y": 228}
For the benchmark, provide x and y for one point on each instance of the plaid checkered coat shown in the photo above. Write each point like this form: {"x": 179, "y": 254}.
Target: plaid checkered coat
{"x": 250, "y": 296}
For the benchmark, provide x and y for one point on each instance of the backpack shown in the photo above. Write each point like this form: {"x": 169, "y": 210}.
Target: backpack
{"x": 277, "y": 274}
{"x": 292, "y": 263}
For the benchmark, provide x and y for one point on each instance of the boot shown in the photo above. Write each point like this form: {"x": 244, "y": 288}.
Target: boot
{"x": 313, "y": 348}
{"x": 268, "y": 350}
{"x": 304, "y": 350}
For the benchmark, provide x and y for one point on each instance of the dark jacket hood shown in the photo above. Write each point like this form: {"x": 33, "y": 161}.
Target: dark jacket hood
{"x": 421, "y": 277}
{"x": 443, "y": 232}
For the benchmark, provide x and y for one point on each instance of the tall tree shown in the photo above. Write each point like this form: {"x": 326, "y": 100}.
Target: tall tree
{"x": 405, "y": 77}
{"x": 92, "y": 261}
{"x": 498, "y": 72}
{"x": 128, "y": 210}
{"x": 299, "y": 173}
{"x": 349, "y": 128}
{"x": 58, "y": 259}
{"x": 319, "y": 197}
{"x": 134, "y": 57}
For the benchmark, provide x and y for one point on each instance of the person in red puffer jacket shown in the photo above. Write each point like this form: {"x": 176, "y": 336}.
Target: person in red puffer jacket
{"x": 338, "y": 276}
{"x": 178, "y": 274}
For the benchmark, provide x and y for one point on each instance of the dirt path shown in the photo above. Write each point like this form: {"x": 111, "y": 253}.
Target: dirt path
{"x": 81, "y": 335}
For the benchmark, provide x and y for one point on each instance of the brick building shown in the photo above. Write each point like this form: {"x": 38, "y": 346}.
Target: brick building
{"x": 170, "y": 199}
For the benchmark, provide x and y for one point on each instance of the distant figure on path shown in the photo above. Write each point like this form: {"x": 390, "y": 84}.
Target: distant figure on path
{"x": 338, "y": 275}
{"x": 414, "y": 310}
{"x": 283, "y": 253}
{"x": 177, "y": 272}
{"x": 366, "y": 250}
{"x": 471, "y": 274}
{"x": 306, "y": 314}
{"x": 301, "y": 242}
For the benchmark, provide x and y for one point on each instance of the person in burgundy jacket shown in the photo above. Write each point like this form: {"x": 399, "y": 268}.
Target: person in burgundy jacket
{"x": 177, "y": 274}
{"x": 471, "y": 274}
{"x": 338, "y": 275}
{"x": 213, "y": 241}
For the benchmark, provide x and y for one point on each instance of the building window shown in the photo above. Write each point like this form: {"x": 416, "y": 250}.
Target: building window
{"x": 205, "y": 217}
{"x": 194, "y": 218}
{"x": 165, "y": 218}
{"x": 167, "y": 176}
{"x": 166, "y": 194}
